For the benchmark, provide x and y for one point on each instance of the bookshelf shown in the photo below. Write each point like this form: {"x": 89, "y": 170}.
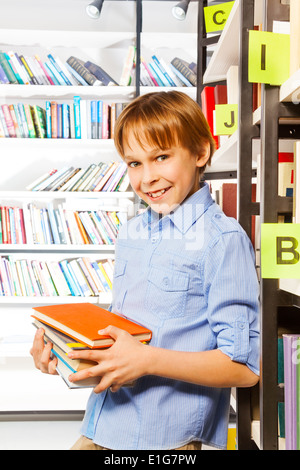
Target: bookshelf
{"x": 106, "y": 42}
{"x": 261, "y": 136}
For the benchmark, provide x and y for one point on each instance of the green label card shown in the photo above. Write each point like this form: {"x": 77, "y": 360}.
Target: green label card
{"x": 216, "y": 16}
{"x": 280, "y": 251}
{"x": 269, "y": 57}
{"x": 226, "y": 119}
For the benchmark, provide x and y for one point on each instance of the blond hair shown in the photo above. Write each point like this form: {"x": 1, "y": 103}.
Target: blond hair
{"x": 164, "y": 119}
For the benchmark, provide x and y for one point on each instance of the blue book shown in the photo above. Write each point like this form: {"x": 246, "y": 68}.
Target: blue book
{"x": 76, "y": 75}
{"x": 59, "y": 120}
{"x": 163, "y": 71}
{"x": 48, "y": 120}
{"x": 78, "y": 286}
{"x": 100, "y": 118}
{"x": 59, "y": 70}
{"x": 179, "y": 75}
{"x": 66, "y": 272}
{"x": 156, "y": 74}
{"x": 77, "y": 118}
{"x": 53, "y": 224}
{"x": 65, "y": 121}
{"x": 50, "y": 68}
{"x": 23, "y": 119}
{"x": 94, "y": 120}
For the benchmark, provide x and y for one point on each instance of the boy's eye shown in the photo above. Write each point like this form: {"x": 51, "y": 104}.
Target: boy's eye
{"x": 162, "y": 158}
{"x": 133, "y": 164}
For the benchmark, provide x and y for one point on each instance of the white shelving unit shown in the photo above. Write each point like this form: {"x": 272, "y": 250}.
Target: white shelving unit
{"x": 23, "y": 160}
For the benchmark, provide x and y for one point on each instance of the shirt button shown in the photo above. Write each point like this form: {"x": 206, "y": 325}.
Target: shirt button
{"x": 165, "y": 281}
{"x": 154, "y": 239}
{"x": 118, "y": 305}
{"x": 242, "y": 326}
{"x": 218, "y": 216}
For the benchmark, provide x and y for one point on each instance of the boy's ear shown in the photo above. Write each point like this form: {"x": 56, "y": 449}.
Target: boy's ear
{"x": 203, "y": 158}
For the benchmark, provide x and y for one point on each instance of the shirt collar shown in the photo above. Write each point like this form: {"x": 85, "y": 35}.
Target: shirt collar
{"x": 187, "y": 213}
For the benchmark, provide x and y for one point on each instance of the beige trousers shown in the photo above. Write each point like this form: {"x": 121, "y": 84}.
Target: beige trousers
{"x": 83, "y": 443}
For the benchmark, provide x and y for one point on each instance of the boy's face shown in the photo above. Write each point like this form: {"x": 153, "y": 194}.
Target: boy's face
{"x": 163, "y": 178}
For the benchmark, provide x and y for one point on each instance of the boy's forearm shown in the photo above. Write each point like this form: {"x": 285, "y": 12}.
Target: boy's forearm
{"x": 208, "y": 368}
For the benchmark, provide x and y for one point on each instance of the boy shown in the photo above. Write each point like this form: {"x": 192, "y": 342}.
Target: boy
{"x": 184, "y": 270}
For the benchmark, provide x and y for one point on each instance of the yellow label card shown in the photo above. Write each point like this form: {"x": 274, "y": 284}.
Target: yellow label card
{"x": 216, "y": 16}
{"x": 269, "y": 57}
{"x": 280, "y": 251}
{"x": 226, "y": 119}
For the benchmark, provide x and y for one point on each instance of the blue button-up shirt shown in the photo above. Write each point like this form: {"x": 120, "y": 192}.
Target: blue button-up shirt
{"x": 190, "y": 278}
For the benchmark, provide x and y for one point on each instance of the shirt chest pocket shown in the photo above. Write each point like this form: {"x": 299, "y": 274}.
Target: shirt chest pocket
{"x": 166, "y": 293}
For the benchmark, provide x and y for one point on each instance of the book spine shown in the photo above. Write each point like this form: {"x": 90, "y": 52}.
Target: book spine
{"x": 163, "y": 71}
{"x": 10, "y": 57}
{"x": 48, "y": 120}
{"x": 51, "y": 82}
{"x": 14, "y": 119}
{"x": 30, "y": 124}
{"x": 3, "y": 77}
{"x": 77, "y": 118}
{"x": 29, "y": 71}
{"x": 9, "y": 121}
{"x": 53, "y": 112}
{"x": 59, "y": 120}
{"x": 65, "y": 121}
{"x": 54, "y": 73}
{"x": 83, "y": 71}
{"x": 23, "y": 119}
{"x": 59, "y": 70}
{"x": 186, "y": 71}
{"x": 7, "y": 69}
{"x": 76, "y": 75}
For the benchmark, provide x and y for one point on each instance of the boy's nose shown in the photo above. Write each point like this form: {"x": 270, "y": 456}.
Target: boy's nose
{"x": 149, "y": 176}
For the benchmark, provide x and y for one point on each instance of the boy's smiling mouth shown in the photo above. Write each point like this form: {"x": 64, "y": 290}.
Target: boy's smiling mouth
{"x": 157, "y": 194}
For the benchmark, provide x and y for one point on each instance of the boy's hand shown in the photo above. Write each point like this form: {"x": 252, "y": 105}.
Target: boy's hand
{"x": 41, "y": 354}
{"x": 123, "y": 362}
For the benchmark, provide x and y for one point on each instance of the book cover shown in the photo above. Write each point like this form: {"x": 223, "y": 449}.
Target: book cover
{"x": 83, "y": 320}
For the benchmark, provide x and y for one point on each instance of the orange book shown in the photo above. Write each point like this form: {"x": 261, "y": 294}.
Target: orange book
{"x": 82, "y": 321}
{"x": 81, "y": 229}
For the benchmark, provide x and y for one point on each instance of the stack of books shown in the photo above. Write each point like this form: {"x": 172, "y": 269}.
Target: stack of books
{"x": 110, "y": 176}
{"x": 78, "y": 277}
{"x": 82, "y": 119}
{"x": 75, "y": 326}
{"x": 31, "y": 70}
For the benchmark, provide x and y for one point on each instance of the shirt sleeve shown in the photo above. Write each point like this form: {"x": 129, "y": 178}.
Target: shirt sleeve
{"x": 232, "y": 293}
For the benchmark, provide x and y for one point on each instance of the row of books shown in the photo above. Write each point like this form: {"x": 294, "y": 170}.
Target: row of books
{"x": 177, "y": 73}
{"x": 106, "y": 177}
{"x": 80, "y": 277}
{"x": 31, "y": 70}
{"x": 82, "y": 119}
{"x": 76, "y": 326}
{"x": 48, "y": 225}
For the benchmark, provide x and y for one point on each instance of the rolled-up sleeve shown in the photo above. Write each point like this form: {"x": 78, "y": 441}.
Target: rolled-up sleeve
{"x": 232, "y": 293}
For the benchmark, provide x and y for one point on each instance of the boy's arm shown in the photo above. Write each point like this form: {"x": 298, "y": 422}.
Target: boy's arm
{"x": 128, "y": 360}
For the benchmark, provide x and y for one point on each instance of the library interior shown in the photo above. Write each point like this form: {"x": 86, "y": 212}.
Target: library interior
{"x": 70, "y": 72}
